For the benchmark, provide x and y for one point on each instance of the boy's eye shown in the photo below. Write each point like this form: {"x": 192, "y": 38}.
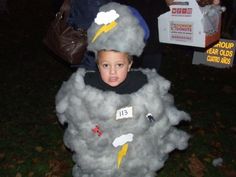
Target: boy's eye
{"x": 105, "y": 65}
{"x": 120, "y": 65}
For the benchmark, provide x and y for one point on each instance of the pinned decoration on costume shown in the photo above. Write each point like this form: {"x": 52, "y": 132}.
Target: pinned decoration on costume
{"x": 96, "y": 130}
{"x": 122, "y": 141}
{"x": 221, "y": 55}
{"x": 124, "y": 113}
{"x": 104, "y": 29}
{"x": 150, "y": 117}
{"x": 121, "y": 154}
{"x": 107, "y": 19}
{"x": 119, "y": 141}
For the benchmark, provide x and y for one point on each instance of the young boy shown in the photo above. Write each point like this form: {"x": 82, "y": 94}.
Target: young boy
{"x": 114, "y": 73}
{"x": 120, "y": 121}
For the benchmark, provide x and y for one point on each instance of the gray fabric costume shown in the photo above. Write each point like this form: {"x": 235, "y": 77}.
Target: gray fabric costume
{"x": 99, "y": 120}
{"x": 85, "y": 108}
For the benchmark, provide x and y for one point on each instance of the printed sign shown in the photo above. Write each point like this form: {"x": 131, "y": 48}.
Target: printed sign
{"x": 181, "y": 31}
{"x": 184, "y": 12}
{"x": 221, "y": 55}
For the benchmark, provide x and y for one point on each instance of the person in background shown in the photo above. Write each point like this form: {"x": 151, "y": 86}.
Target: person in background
{"x": 82, "y": 13}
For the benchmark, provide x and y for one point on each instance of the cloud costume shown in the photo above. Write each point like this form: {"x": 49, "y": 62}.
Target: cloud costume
{"x": 119, "y": 135}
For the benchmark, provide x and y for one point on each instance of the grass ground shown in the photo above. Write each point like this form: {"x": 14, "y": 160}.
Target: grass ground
{"x": 31, "y": 138}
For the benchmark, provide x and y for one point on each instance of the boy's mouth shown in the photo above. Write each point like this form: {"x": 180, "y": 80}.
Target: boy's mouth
{"x": 113, "y": 79}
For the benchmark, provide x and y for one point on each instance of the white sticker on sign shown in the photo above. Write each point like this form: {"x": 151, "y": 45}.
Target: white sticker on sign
{"x": 124, "y": 113}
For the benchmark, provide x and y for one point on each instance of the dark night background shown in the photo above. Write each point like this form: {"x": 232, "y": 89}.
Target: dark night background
{"x": 30, "y": 76}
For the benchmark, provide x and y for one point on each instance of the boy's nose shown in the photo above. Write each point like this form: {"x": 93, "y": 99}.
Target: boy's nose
{"x": 113, "y": 70}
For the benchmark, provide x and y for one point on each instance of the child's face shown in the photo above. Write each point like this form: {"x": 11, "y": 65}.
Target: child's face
{"x": 113, "y": 67}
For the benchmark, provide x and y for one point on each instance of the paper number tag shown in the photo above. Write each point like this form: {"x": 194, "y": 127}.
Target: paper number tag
{"x": 124, "y": 113}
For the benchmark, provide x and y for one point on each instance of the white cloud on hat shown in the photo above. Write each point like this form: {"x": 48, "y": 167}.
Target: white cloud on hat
{"x": 104, "y": 18}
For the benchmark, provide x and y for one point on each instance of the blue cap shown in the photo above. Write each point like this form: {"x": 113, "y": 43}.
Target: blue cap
{"x": 142, "y": 22}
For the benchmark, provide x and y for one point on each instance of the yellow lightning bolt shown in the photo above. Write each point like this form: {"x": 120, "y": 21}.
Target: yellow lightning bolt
{"x": 121, "y": 154}
{"x": 104, "y": 28}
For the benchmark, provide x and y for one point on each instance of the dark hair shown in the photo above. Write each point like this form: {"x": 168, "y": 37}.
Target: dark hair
{"x": 130, "y": 57}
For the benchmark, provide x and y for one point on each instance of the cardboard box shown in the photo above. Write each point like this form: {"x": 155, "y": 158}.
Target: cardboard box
{"x": 189, "y": 24}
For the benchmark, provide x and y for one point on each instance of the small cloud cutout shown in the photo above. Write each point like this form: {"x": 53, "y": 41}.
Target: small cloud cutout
{"x": 121, "y": 140}
{"x": 106, "y": 17}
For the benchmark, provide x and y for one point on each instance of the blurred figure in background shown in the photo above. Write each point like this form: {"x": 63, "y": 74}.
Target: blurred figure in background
{"x": 229, "y": 20}
{"x": 82, "y": 13}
